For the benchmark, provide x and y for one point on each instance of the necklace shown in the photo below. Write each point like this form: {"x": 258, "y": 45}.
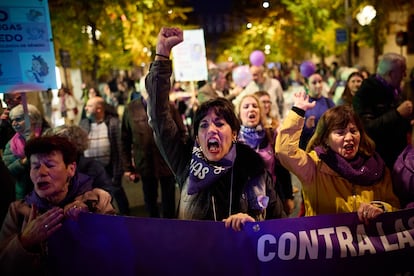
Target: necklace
{"x": 213, "y": 199}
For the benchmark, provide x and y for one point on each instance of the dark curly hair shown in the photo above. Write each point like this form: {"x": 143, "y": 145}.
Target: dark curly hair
{"x": 48, "y": 144}
{"x": 222, "y": 108}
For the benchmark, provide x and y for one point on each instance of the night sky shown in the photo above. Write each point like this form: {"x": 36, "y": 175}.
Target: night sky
{"x": 211, "y": 6}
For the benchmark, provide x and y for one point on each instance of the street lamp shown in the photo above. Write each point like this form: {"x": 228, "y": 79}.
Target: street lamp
{"x": 364, "y": 18}
{"x": 366, "y": 15}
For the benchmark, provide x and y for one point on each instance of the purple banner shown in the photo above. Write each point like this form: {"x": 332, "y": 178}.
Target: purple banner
{"x": 329, "y": 244}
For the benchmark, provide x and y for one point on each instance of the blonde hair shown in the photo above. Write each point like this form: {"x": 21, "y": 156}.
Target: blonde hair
{"x": 259, "y": 103}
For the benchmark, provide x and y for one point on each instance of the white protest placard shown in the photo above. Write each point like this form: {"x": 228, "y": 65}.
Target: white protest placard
{"x": 189, "y": 57}
{"x": 27, "y": 58}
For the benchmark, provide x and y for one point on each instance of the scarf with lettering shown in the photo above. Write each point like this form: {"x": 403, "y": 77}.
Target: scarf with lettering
{"x": 204, "y": 173}
{"x": 363, "y": 170}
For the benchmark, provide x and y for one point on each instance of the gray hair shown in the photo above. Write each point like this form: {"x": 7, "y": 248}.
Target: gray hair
{"x": 388, "y": 62}
{"x": 75, "y": 134}
{"x": 35, "y": 116}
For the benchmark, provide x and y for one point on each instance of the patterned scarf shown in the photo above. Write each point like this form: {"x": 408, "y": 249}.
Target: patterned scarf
{"x": 363, "y": 170}
{"x": 204, "y": 173}
{"x": 252, "y": 136}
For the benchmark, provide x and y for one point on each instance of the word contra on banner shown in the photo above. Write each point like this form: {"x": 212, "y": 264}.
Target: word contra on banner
{"x": 307, "y": 244}
{"x": 325, "y": 245}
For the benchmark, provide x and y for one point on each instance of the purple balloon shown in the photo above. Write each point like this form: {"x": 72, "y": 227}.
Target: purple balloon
{"x": 307, "y": 68}
{"x": 241, "y": 75}
{"x": 257, "y": 58}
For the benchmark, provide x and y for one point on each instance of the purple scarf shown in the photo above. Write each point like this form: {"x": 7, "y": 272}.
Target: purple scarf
{"x": 203, "y": 173}
{"x": 364, "y": 171}
{"x": 252, "y": 136}
{"x": 395, "y": 91}
{"x": 78, "y": 185}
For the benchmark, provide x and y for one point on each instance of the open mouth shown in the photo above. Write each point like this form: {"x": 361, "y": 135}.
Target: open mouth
{"x": 42, "y": 185}
{"x": 213, "y": 145}
{"x": 252, "y": 116}
{"x": 349, "y": 148}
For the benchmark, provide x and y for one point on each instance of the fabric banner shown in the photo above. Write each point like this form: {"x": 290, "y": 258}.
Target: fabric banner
{"x": 327, "y": 244}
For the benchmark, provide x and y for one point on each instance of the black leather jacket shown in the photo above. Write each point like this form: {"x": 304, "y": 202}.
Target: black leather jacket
{"x": 248, "y": 165}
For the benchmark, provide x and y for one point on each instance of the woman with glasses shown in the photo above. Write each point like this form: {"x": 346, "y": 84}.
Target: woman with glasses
{"x": 322, "y": 103}
{"x": 14, "y": 157}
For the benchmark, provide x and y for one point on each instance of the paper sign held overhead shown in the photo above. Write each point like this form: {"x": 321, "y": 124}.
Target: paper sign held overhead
{"x": 189, "y": 57}
{"x": 27, "y": 57}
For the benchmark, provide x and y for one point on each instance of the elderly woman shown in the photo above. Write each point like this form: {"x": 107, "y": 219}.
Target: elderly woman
{"x": 58, "y": 193}
{"x": 219, "y": 178}
{"x": 86, "y": 165}
{"x": 13, "y": 156}
{"x": 340, "y": 170}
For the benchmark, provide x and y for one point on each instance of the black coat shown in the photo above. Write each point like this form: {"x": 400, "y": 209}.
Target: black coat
{"x": 376, "y": 104}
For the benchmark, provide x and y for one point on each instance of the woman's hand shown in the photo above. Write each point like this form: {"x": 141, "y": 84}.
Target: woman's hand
{"x": 301, "y": 100}
{"x": 167, "y": 39}
{"x": 72, "y": 210}
{"x": 237, "y": 221}
{"x": 40, "y": 227}
{"x": 367, "y": 212}
{"x": 289, "y": 205}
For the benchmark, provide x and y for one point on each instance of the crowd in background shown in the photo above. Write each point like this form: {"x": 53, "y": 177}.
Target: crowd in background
{"x": 291, "y": 123}
{"x": 335, "y": 84}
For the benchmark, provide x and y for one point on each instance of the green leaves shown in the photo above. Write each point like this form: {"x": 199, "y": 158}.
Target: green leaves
{"x": 125, "y": 33}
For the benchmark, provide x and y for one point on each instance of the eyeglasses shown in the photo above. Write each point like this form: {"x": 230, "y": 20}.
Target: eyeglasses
{"x": 18, "y": 119}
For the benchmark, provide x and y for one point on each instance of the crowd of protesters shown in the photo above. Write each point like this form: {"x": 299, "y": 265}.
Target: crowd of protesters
{"x": 336, "y": 129}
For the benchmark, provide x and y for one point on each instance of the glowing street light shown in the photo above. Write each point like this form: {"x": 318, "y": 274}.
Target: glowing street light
{"x": 366, "y": 15}
{"x": 266, "y": 4}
